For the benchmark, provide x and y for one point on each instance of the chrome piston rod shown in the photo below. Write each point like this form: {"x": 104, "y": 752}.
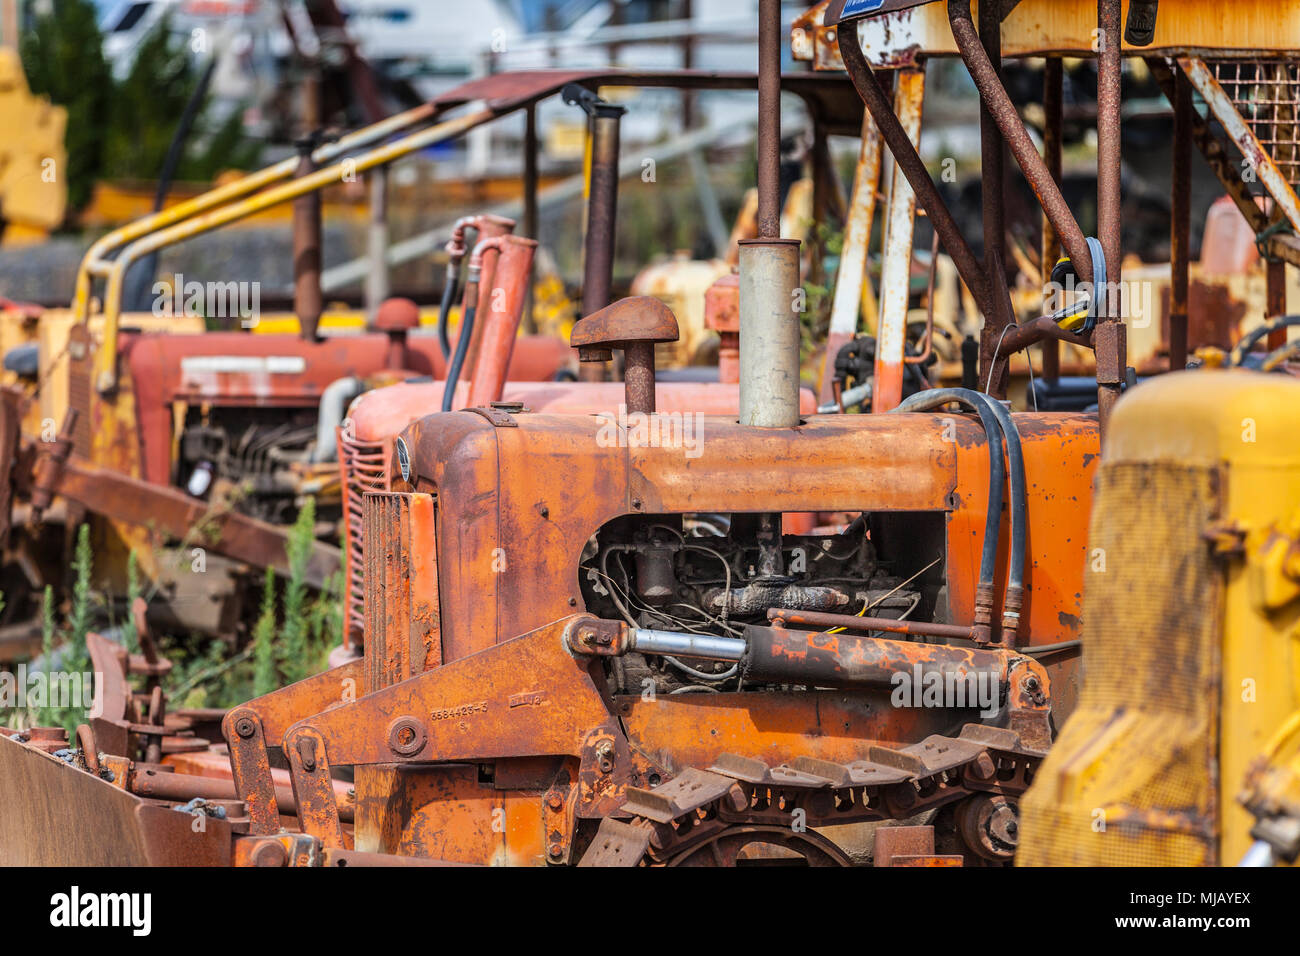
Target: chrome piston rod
{"x": 681, "y": 644}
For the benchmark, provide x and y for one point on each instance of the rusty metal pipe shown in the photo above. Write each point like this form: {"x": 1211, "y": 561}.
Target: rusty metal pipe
{"x": 769, "y": 119}
{"x": 1038, "y": 330}
{"x": 783, "y": 616}
{"x": 909, "y": 161}
{"x": 776, "y": 655}
{"x": 308, "y": 300}
{"x": 1181, "y": 223}
{"x": 1053, "y": 121}
{"x": 183, "y": 787}
{"x": 500, "y": 323}
{"x": 1003, "y": 111}
{"x": 602, "y": 212}
{"x": 1111, "y": 343}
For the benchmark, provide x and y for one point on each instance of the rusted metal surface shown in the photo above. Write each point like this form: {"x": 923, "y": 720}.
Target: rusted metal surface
{"x": 769, "y": 119}
{"x": 1243, "y": 137}
{"x": 1266, "y": 92}
{"x": 896, "y": 263}
{"x": 992, "y": 172}
{"x": 634, "y": 325}
{"x": 1110, "y": 340}
{"x": 1053, "y": 119}
{"x": 1180, "y": 222}
{"x": 602, "y": 211}
{"x": 308, "y": 300}
{"x": 851, "y": 622}
{"x": 1004, "y": 113}
{"x": 927, "y": 194}
{"x": 499, "y": 323}
{"x": 172, "y": 512}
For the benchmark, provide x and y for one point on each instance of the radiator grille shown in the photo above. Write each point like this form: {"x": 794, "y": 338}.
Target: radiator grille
{"x": 1266, "y": 92}
{"x": 364, "y": 466}
{"x": 1132, "y": 778}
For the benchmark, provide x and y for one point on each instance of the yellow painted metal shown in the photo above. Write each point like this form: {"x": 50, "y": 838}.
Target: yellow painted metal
{"x": 1036, "y": 27}
{"x": 33, "y": 160}
{"x": 53, "y": 328}
{"x": 95, "y": 261}
{"x": 1190, "y": 627}
{"x": 106, "y": 356}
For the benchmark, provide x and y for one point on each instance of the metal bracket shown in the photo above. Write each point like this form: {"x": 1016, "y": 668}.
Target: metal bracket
{"x": 313, "y": 787}
{"x": 251, "y": 768}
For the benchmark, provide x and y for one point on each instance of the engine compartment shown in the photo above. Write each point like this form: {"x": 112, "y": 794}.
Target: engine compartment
{"x": 715, "y": 573}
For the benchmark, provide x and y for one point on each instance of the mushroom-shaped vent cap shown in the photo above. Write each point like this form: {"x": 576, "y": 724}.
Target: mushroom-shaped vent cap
{"x": 641, "y": 318}
{"x": 842, "y": 11}
{"x": 397, "y": 315}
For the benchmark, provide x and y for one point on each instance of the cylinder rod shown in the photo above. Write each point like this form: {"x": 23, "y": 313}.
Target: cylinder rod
{"x": 769, "y": 119}
{"x": 682, "y": 644}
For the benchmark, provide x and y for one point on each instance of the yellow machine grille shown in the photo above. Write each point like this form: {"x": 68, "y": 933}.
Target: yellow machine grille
{"x": 1132, "y": 778}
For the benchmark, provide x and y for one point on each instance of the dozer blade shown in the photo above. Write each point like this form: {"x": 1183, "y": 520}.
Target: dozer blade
{"x": 53, "y": 814}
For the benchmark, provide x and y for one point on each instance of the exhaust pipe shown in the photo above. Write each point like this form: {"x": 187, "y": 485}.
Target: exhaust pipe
{"x": 769, "y": 265}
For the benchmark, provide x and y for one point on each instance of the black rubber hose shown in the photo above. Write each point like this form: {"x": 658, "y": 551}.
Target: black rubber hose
{"x": 1018, "y": 493}
{"x": 937, "y": 397}
{"x": 449, "y": 289}
{"x": 462, "y": 346}
{"x": 1242, "y": 348}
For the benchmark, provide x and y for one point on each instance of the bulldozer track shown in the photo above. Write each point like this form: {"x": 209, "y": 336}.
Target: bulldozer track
{"x": 741, "y": 797}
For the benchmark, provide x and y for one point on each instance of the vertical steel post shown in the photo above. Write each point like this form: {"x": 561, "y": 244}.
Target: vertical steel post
{"x": 1180, "y": 222}
{"x": 992, "y": 182}
{"x": 530, "y": 206}
{"x": 769, "y": 119}
{"x": 377, "y": 241}
{"x": 308, "y": 300}
{"x": 1109, "y": 337}
{"x": 602, "y": 210}
{"x": 1053, "y": 110}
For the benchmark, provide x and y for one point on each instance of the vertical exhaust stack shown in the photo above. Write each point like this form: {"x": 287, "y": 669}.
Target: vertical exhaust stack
{"x": 769, "y": 265}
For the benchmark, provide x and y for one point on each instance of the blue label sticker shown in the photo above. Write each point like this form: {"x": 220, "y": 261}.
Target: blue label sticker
{"x": 854, "y": 7}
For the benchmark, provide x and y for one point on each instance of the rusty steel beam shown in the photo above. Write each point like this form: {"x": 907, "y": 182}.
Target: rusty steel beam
{"x": 1109, "y": 342}
{"x": 1211, "y": 149}
{"x": 992, "y": 183}
{"x": 905, "y": 155}
{"x": 1243, "y": 137}
{"x": 1181, "y": 224}
{"x": 1003, "y": 111}
{"x": 769, "y": 119}
{"x": 1053, "y": 122}
{"x": 174, "y": 513}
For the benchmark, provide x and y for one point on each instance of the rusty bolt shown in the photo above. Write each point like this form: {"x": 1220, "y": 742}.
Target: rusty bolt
{"x": 983, "y": 768}
{"x": 245, "y": 727}
{"x": 555, "y": 802}
{"x": 270, "y": 853}
{"x": 555, "y": 851}
{"x": 605, "y": 756}
{"x": 307, "y": 753}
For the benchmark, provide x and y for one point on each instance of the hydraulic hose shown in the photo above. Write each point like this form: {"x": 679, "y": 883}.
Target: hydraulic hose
{"x": 1011, "y": 604}
{"x": 936, "y": 398}
{"x": 1242, "y": 349}
{"x": 462, "y": 348}
{"x": 451, "y": 285}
